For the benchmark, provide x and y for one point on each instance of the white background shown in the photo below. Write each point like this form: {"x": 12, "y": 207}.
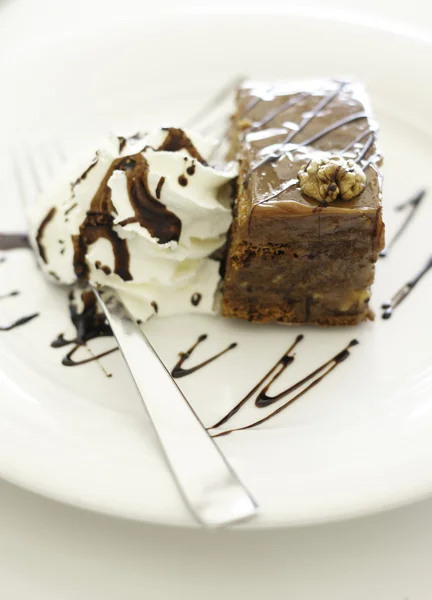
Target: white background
{"x": 53, "y": 552}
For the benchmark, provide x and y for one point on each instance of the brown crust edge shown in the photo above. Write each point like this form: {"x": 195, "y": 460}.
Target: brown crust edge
{"x": 261, "y": 314}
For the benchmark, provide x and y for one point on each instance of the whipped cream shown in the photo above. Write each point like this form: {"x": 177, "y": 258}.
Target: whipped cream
{"x": 144, "y": 215}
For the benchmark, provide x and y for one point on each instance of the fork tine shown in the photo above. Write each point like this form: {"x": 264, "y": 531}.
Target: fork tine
{"x": 54, "y": 159}
{"x": 60, "y": 152}
{"x": 35, "y": 169}
{"x": 220, "y": 150}
{"x": 19, "y": 182}
{"x": 32, "y": 170}
{"x": 220, "y": 122}
{"x": 214, "y": 103}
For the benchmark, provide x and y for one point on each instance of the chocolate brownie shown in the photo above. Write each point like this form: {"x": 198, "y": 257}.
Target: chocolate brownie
{"x": 307, "y": 226}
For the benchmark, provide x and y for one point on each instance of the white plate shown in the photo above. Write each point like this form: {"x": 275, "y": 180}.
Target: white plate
{"x": 357, "y": 443}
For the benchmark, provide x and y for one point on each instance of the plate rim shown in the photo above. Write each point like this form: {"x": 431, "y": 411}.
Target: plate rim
{"x": 82, "y": 503}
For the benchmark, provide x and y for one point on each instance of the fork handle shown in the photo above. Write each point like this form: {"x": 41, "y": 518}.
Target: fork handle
{"x": 208, "y": 484}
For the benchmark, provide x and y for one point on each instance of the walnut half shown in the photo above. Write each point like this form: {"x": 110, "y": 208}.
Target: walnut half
{"x": 329, "y": 179}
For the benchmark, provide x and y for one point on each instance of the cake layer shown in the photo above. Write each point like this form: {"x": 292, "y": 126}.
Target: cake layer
{"x": 309, "y": 286}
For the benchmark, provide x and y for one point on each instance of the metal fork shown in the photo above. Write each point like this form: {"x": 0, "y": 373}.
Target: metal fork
{"x": 208, "y": 484}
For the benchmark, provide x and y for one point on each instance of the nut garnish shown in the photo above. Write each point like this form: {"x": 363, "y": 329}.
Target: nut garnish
{"x": 329, "y": 179}
{"x": 244, "y": 123}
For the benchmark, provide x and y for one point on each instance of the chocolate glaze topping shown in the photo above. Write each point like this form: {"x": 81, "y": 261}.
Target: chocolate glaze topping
{"x": 333, "y": 127}
{"x": 283, "y": 107}
{"x": 324, "y": 116}
{"x": 317, "y": 109}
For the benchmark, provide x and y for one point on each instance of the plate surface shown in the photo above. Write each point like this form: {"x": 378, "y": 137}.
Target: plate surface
{"x": 357, "y": 443}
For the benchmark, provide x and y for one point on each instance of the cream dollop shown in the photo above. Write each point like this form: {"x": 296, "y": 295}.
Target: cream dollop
{"x": 144, "y": 215}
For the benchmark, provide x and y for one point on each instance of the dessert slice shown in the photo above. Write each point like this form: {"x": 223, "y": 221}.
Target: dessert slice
{"x": 307, "y": 226}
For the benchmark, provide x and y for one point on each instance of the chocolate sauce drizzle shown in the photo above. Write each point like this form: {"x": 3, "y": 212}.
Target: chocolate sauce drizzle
{"x": 289, "y": 184}
{"x": 404, "y": 291}
{"x": 98, "y": 224}
{"x": 196, "y": 298}
{"x": 370, "y": 141}
{"x": 263, "y": 399}
{"x": 285, "y": 360}
{"x": 159, "y": 187}
{"x": 251, "y": 105}
{"x": 100, "y": 267}
{"x": 413, "y": 204}
{"x": 71, "y": 208}
{"x": 82, "y": 177}
{"x": 178, "y": 370}
{"x": 13, "y": 241}
{"x": 191, "y": 169}
{"x": 19, "y": 322}
{"x": 122, "y": 143}
{"x": 150, "y": 213}
{"x": 358, "y": 140}
{"x": 178, "y": 140}
{"x": 9, "y": 295}
{"x": 41, "y": 231}
{"x": 316, "y": 376}
{"x": 89, "y": 324}
{"x": 285, "y": 106}
{"x": 341, "y": 123}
